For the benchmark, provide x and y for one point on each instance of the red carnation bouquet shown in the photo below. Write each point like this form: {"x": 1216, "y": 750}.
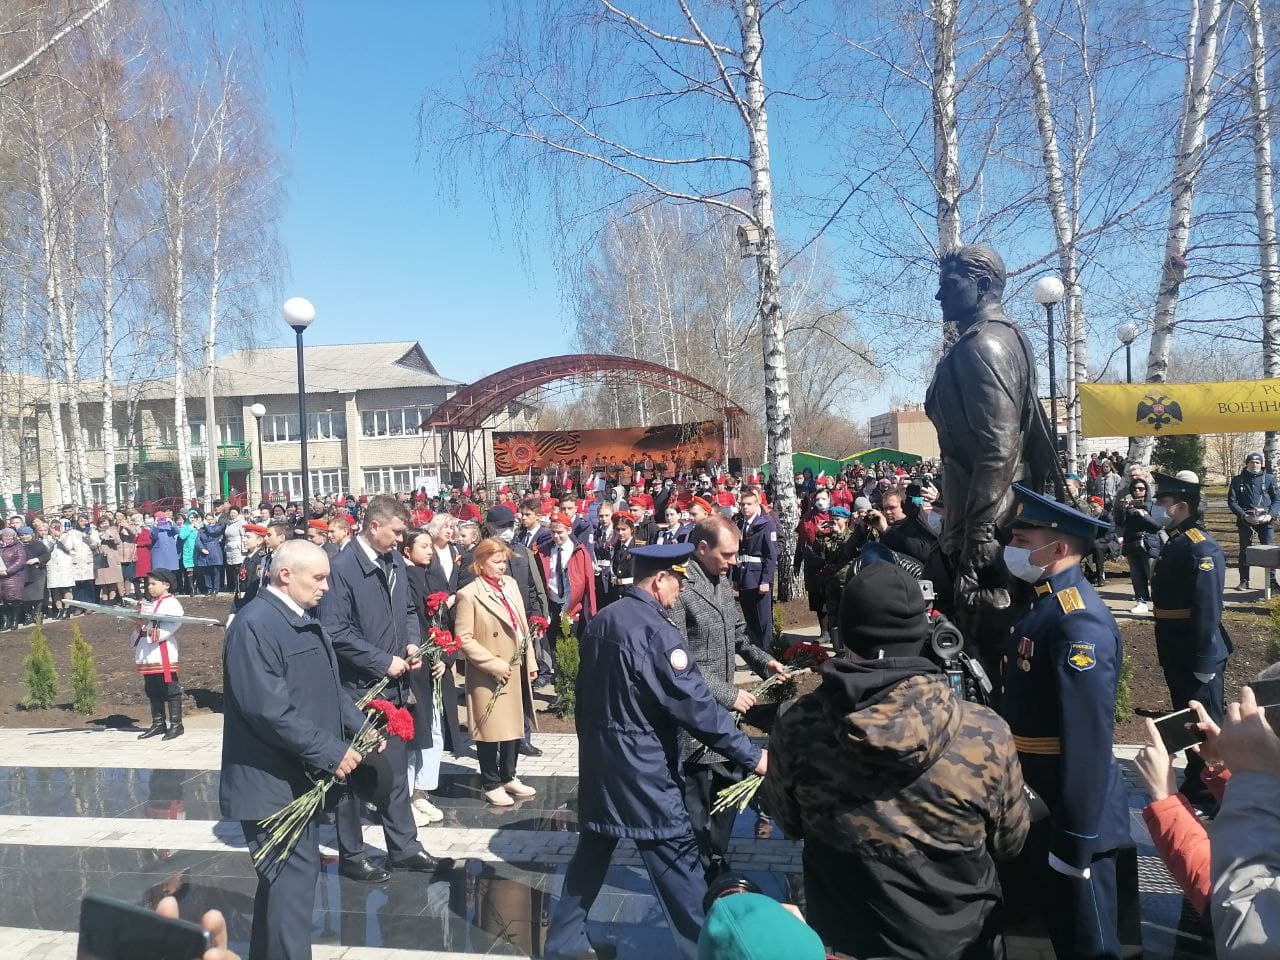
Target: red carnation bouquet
{"x": 538, "y": 625}
{"x": 808, "y": 653}
{"x": 438, "y": 644}
{"x": 285, "y": 826}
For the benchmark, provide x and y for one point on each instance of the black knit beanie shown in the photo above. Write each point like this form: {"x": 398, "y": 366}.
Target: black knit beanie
{"x": 883, "y": 609}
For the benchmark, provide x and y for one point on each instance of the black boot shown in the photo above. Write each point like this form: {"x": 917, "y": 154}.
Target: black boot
{"x": 175, "y": 717}
{"x": 157, "y": 721}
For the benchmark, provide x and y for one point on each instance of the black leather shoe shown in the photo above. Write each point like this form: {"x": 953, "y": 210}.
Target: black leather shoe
{"x": 418, "y": 863}
{"x": 529, "y": 750}
{"x": 363, "y": 871}
{"x": 154, "y": 730}
{"x": 172, "y": 732}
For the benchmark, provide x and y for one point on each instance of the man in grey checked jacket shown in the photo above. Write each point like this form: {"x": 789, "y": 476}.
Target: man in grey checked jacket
{"x": 711, "y": 620}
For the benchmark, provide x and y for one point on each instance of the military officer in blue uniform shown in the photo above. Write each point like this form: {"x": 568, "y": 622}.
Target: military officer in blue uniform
{"x": 637, "y": 688}
{"x": 1186, "y": 594}
{"x": 1060, "y": 666}
{"x": 757, "y": 564}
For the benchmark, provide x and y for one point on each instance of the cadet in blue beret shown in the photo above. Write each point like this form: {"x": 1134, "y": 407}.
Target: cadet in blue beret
{"x": 1186, "y": 597}
{"x": 1060, "y": 666}
{"x": 638, "y": 686}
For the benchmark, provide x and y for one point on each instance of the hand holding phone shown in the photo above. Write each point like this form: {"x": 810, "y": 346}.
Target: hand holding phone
{"x": 1179, "y": 730}
{"x": 113, "y": 930}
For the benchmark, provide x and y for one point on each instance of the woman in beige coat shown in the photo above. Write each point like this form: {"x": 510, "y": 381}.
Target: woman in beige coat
{"x": 490, "y": 622}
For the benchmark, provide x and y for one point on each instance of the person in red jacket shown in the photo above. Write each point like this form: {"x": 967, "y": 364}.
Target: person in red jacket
{"x": 1178, "y": 834}
{"x": 568, "y": 570}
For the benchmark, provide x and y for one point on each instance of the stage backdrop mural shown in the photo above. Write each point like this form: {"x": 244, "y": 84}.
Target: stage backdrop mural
{"x": 680, "y": 446}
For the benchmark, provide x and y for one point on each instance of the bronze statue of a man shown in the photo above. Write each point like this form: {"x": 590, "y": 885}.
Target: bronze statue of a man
{"x": 991, "y": 428}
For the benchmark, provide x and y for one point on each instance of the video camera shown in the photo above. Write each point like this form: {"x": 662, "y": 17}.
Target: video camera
{"x": 966, "y": 675}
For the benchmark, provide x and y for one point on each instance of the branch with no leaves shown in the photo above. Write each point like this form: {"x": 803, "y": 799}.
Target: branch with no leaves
{"x": 11, "y": 74}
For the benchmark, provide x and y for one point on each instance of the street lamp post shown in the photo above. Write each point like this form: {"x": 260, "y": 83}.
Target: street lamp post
{"x": 1048, "y": 292}
{"x": 259, "y": 411}
{"x": 298, "y": 314}
{"x": 1126, "y": 335}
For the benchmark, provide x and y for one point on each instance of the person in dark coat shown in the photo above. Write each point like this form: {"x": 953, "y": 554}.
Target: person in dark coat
{"x": 427, "y": 745}
{"x": 210, "y": 555}
{"x": 374, "y": 627}
{"x": 37, "y": 559}
{"x": 1141, "y": 540}
{"x": 638, "y": 688}
{"x": 285, "y": 717}
{"x": 1253, "y": 498}
{"x": 1186, "y": 592}
{"x": 13, "y": 578}
{"x": 756, "y": 567}
{"x": 446, "y": 574}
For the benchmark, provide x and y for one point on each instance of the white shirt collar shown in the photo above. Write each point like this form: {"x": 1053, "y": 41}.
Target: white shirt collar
{"x": 287, "y": 600}
{"x": 368, "y": 550}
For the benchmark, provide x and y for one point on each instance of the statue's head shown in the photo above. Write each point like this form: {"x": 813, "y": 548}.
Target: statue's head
{"x": 969, "y": 277}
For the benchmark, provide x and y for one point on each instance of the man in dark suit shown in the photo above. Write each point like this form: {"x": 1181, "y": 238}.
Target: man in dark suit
{"x": 757, "y": 564}
{"x": 285, "y": 716}
{"x": 712, "y": 623}
{"x": 374, "y": 627}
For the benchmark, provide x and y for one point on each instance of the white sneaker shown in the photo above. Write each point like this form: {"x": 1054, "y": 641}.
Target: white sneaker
{"x": 427, "y": 811}
{"x": 498, "y": 797}
{"x": 521, "y": 791}
{"x": 1139, "y": 608}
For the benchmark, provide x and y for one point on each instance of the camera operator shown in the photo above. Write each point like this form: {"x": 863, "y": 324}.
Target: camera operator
{"x": 905, "y": 795}
{"x": 914, "y": 531}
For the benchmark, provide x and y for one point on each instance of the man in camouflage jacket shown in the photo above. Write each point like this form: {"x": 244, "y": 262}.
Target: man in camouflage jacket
{"x": 714, "y": 628}
{"x": 904, "y": 794}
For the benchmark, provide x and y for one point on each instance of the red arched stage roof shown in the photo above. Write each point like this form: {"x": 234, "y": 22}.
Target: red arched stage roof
{"x": 474, "y": 404}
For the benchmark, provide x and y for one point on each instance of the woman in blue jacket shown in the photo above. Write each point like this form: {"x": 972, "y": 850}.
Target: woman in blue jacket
{"x": 209, "y": 554}
{"x": 188, "y": 534}
{"x": 164, "y": 543}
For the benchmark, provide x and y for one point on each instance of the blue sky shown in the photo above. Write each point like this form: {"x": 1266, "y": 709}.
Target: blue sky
{"x": 370, "y": 239}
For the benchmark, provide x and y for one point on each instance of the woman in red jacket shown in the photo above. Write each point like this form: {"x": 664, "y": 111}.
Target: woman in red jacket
{"x": 141, "y": 540}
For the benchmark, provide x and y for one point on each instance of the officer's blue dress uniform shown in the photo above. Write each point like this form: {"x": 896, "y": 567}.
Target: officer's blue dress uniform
{"x": 638, "y": 685}
{"x": 757, "y": 564}
{"x": 1060, "y": 667}
{"x": 1186, "y": 596}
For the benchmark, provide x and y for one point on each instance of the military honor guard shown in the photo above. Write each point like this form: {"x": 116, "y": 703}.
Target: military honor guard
{"x": 155, "y": 651}
{"x": 638, "y": 687}
{"x": 756, "y": 567}
{"x": 1186, "y": 597}
{"x": 1060, "y": 666}
{"x": 253, "y": 571}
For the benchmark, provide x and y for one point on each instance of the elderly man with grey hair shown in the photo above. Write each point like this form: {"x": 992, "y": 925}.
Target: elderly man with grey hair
{"x": 285, "y": 719}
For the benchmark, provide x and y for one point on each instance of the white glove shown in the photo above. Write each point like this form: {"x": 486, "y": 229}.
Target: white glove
{"x": 1204, "y": 677}
{"x": 1067, "y": 869}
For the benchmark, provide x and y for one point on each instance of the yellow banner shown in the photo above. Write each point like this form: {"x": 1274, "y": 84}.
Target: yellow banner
{"x": 1156, "y": 409}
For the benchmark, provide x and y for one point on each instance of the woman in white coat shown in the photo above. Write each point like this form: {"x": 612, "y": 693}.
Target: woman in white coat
{"x": 60, "y": 573}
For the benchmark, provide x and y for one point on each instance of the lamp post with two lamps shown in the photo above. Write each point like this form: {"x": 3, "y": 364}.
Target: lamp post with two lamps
{"x": 298, "y": 314}
{"x": 1048, "y": 292}
{"x": 1126, "y": 335}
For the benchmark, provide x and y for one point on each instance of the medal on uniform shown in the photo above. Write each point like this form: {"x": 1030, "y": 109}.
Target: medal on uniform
{"x": 1026, "y": 649}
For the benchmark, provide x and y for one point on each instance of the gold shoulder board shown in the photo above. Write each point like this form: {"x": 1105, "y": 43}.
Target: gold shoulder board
{"x": 1070, "y": 600}
{"x": 1195, "y": 536}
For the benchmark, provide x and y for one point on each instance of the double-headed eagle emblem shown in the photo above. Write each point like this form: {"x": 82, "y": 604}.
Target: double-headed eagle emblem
{"x": 1158, "y": 411}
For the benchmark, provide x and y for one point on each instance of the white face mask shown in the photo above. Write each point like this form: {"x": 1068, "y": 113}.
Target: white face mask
{"x": 507, "y": 534}
{"x": 822, "y": 503}
{"x": 933, "y": 521}
{"x": 1161, "y": 516}
{"x": 1018, "y": 560}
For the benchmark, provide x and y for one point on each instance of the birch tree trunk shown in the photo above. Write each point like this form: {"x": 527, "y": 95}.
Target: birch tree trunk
{"x": 177, "y": 301}
{"x": 1063, "y": 225}
{"x": 1202, "y": 47}
{"x": 49, "y": 250}
{"x": 777, "y": 391}
{"x": 1264, "y": 210}
{"x": 946, "y": 131}
{"x": 66, "y": 307}
{"x": 108, "y": 307}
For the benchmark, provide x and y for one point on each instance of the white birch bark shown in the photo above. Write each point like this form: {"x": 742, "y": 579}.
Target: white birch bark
{"x": 49, "y": 251}
{"x": 946, "y": 131}
{"x": 66, "y": 309}
{"x": 219, "y": 203}
{"x": 1063, "y": 225}
{"x": 1264, "y": 210}
{"x": 177, "y": 254}
{"x": 108, "y": 303}
{"x": 1202, "y": 47}
{"x": 777, "y": 391}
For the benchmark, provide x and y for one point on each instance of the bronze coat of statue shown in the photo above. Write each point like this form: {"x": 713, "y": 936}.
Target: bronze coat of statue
{"x": 992, "y": 430}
